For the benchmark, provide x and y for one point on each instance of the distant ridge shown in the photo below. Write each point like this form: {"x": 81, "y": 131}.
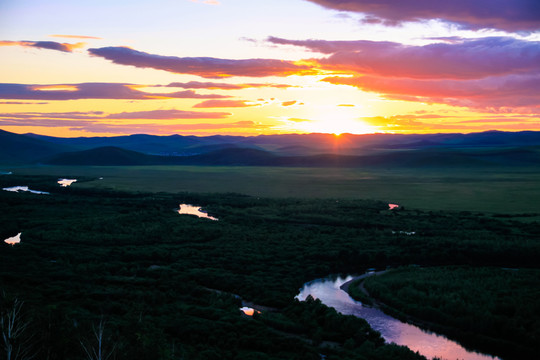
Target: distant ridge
{"x": 252, "y": 157}
{"x": 491, "y": 148}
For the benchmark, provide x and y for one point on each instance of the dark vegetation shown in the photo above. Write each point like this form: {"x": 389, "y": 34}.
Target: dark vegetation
{"x": 492, "y": 308}
{"x": 149, "y": 276}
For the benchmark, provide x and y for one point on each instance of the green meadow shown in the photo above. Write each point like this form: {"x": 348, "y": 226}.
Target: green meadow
{"x": 510, "y": 190}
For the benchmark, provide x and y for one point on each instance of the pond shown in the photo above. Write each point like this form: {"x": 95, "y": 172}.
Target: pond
{"x": 194, "y": 210}
{"x": 392, "y": 330}
{"x": 13, "y": 240}
{"x": 66, "y": 182}
{"x": 249, "y": 311}
{"x": 24, "y": 188}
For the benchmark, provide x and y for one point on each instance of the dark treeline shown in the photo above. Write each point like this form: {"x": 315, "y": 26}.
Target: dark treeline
{"x": 128, "y": 267}
{"x": 494, "y": 309}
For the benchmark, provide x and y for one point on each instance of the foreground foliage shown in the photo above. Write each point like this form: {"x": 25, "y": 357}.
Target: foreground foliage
{"x": 161, "y": 285}
{"x": 491, "y": 308}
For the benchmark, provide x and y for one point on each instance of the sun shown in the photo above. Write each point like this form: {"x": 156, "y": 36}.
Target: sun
{"x": 338, "y": 122}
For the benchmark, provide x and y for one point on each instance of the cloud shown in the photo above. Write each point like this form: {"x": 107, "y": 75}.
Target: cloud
{"x": 466, "y": 59}
{"x": 50, "y": 45}
{"x": 223, "y": 86}
{"x": 76, "y": 37}
{"x": 91, "y": 91}
{"x": 206, "y": 67}
{"x": 509, "y": 15}
{"x": 171, "y": 114}
{"x": 288, "y": 103}
{"x": 153, "y": 128}
{"x": 21, "y": 103}
{"x": 224, "y": 104}
{"x": 498, "y": 92}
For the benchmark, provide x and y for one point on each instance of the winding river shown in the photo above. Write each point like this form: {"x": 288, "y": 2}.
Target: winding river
{"x": 392, "y": 330}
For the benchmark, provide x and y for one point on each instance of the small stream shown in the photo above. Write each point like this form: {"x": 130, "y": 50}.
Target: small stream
{"x": 392, "y": 330}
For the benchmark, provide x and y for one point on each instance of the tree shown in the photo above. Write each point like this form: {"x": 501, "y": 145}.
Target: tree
{"x": 16, "y": 342}
{"x": 98, "y": 350}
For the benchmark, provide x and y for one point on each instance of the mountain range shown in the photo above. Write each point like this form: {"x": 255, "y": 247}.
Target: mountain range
{"x": 492, "y": 148}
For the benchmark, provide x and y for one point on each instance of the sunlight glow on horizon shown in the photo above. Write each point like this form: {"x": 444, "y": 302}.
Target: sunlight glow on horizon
{"x": 291, "y": 66}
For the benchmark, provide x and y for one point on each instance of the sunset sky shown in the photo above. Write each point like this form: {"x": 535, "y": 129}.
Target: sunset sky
{"x": 238, "y": 67}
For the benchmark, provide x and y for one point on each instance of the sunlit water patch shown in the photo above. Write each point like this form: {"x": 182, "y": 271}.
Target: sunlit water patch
{"x": 24, "y": 188}
{"x": 249, "y": 311}
{"x": 66, "y": 182}
{"x": 186, "y": 209}
{"x": 13, "y": 240}
{"x": 392, "y": 330}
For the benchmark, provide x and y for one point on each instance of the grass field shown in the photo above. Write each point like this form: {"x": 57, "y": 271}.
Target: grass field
{"x": 507, "y": 190}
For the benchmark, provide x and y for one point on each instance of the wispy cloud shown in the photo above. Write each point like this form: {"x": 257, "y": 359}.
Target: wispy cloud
{"x": 509, "y": 15}
{"x": 171, "y": 114}
{"x": 91, "y": 91}
{"x": 206, "y": 67}
{"x": 49, "y": 45}
{"x": 224, "y": 104}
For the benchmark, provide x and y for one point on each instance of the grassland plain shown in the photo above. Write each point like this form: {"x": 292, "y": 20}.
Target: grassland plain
{"x": 509, "y": 190}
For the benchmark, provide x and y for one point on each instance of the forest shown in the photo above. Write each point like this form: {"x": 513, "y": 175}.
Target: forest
{"x": 126, "y": 269}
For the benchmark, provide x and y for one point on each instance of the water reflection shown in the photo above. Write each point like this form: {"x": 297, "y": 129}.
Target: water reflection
{"x": 24, "y": 188}
{"x": 13, "y": 240}
{"x": 249, "y": 311}
{"x": 194, "y": 210}
{"x": 392, "y": 330}
{"x": 66, "y": 182}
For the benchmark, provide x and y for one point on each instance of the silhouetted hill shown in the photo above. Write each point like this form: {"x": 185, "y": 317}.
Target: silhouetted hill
{"x": 491, "y": 148}
{"x": 20, "y": 149}
{"x": 107, "y": 155}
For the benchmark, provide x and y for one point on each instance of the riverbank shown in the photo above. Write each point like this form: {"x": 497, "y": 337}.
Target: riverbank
{"x": 407, "y": 295}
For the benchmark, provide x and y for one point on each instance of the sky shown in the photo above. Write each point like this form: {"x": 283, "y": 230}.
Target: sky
{"x": 237, "y": 67}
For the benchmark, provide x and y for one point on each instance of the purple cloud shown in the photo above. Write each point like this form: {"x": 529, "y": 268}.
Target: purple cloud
{"x": 222, "y": 86}
{"x": 50, "y": 45}
{"x": 509, "y": 15}
{"x": 91, "y": 91}
{"x": 497, "y": 93}
{"x": 467, "y": 59}
{"x": 206, "y": 67}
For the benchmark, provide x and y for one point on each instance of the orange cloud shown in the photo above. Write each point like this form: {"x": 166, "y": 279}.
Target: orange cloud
{"x": 288, "y": 103}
